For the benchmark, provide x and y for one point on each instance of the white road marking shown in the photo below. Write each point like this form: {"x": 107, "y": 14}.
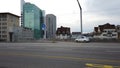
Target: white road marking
{"x": 16, "y": 47}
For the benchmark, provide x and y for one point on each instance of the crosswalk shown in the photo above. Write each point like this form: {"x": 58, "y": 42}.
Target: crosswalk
{"x": 89, "y": 65}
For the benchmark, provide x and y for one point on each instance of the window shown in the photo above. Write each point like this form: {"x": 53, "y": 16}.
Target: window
{"x": 109, "y": 35}
{"x": 104, "y": 31}
{"x": 4, "y": 23}
{"x": 109, "y": 32}
{"x": 115, "y": 31}
{"x": 114, "y": 35}
{"x": 4, "y": 19}
{"x": 4, "y": 27}
{"x": 3, "y": 15}
{"x": 4, "y": 36}
{"x": 104, "y": 34}
{"x": 63, "y": 32}
{"x": 82, "y": 37}
{"x": 11, "y": 20}
{"x": 4, "y": 32}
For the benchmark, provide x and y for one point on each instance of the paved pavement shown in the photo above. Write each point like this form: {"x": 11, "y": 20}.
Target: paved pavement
{"x": 59, "y": 55}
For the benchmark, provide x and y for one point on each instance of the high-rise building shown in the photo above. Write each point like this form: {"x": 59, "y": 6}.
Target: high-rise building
{"x": 8, "y": 22}
{"x": 22, "y": 3}
{"x": 51, "y": 26}
{"x": 33, "y": 18}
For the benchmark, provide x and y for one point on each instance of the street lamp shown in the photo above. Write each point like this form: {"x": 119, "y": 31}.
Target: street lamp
{"x": 80, "y": 16}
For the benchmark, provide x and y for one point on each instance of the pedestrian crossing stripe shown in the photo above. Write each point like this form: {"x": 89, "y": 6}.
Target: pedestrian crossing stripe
{"x": 89, "y": 65}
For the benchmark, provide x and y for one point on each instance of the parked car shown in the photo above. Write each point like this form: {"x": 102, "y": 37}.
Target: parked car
{"x": 82, "y": 39}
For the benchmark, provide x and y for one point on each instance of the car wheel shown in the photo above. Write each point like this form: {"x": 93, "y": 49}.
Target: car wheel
{"x": 84, "y": 41}
{"x": 76, "y": 41}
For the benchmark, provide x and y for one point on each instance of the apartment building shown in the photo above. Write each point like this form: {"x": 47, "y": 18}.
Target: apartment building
{"x": 106, "y": 31}
{"x": 118, "y": 30}
{"x": 63, "y": 33}
{"x": 7, "y": 23}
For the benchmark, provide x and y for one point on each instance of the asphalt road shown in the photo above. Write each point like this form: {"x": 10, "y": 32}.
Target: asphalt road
{"x": 59, "y": 55}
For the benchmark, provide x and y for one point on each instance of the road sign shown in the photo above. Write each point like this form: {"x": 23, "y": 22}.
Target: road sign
{"x": 43, "y": 26}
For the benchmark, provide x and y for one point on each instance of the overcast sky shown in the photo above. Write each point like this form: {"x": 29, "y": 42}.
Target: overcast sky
{"x": 95, "y": 12}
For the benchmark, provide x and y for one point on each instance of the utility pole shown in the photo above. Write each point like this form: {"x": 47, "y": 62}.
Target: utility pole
{"x": 80, "y": 17}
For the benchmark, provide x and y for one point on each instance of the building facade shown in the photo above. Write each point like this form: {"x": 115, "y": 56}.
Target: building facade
{"x": 23, "y": 34}
{"x": 7, "y": 23}
{"x": 33, "y": 18}
{"x": 75, "y": 35}
{"x": 63, "y": 33}
{"x": 21, "y": 5}
{"x": 50, "y": 26}
{"x": 106, "y": 31}
{"x": 118, "y": 30}
{"x": 44, "y": 24}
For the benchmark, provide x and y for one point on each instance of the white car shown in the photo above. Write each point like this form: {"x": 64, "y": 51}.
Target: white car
{"x": 82, "y": 39}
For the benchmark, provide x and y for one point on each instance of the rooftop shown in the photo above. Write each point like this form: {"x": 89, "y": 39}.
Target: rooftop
{"x": 9, "y": 13}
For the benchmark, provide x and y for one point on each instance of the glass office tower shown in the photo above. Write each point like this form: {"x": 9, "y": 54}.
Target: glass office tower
{"x": 33, "y": 18}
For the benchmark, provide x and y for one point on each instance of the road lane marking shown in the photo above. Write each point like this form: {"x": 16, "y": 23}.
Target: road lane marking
{"x": 60, "y": 57}
{"x": 89, "y": 65}
{"x": 16, "y": 47}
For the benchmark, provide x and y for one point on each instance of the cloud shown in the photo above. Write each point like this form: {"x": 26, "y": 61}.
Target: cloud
{"x": 95, "y": 12}
{"x": 99, "y": 12}
{"x": 105, "y": 7}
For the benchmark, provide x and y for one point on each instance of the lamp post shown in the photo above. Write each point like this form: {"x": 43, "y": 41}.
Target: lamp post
{"x": 80, "y": 16}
